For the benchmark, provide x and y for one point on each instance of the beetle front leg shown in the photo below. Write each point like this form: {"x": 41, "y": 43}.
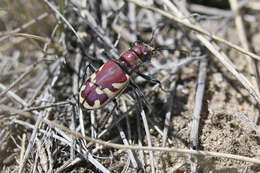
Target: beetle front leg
{"x": 91, "y": 68}
{"x": 152, "y": 79}
{"x": 149, "y": 78}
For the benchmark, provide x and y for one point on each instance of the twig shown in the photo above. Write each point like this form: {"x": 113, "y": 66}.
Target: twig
{"x": 82, "y": 150}
{"x": 198, "y": 103}
{"x": 68, "y": 164}
{"x": 254, "y": 5}
{"x": 93, "y": 124}
{"x": 130, "y": 153}
{"x": 209, "y": 10}
{"x": 242, "y": 36}
{"x": 55, "y": 125}
{"x": 22, "y": 149}
{"x": 73, "y": 128}
{"x": 45, "y": 77}
{"x": 47, "y": 106}
{"x": 28, "y": 71}
{"x": 242, "y": 117}
{"x": 31, "y": 143}
{"x": 168, "y": 113}
{"x": 213, "y": 48}
{"x": 75, "y": 87}
{"x": 42, "y": 16}
{"x": 90, "y": 21}
{"x": 63, "y": 18}
{"x": 147, "y": 131}
{"x": 41, "y": 150}
{"x": 194, "y": 27}
{"x": 194, "y": 132}
{"x": 87, "y": 156}
{"x": 140, "y": 137}
{"x": 14, "y": 96}
{"x": 119, "y": 146}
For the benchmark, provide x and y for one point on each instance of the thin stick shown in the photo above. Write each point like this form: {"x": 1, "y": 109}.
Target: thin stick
{"x": 140, "y": 137}
{"x": 47, "y": 106}
{"x": 22, "y": 149}
{"x": 215, "y": 50}
{"x": 55, "y": 125}
{"x": 196, "y": 28}
{"x": 147, "y": 131}
{"x": 168, "y": 114}
{"x": 198, "y": 103}
{"x": 45, "y": 77}
{"x": 28, "y": 71}
{"x": 63, "y": 18}
{"x": 194, "y": 132}
{"x": 68, "y": 164}
{"x": 13, "y": 96}
{"x": 242, "y": 36}
{"x": 87, "y": 156}
{"x": 244, "y": 119}
{"x": 31, "y": 143}
{"x": 130, "y": 153}
{"x": 42, "y": 16}
{"x": 73, "y": 128}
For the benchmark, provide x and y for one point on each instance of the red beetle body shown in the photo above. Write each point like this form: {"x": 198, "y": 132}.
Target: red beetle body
{"x": 111, "y": 78}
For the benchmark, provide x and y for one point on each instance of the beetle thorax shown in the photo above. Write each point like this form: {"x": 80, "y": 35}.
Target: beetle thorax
{"x": 138, "y": 54}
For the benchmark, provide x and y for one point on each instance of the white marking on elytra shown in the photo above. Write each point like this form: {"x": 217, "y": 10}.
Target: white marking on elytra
{"x": 101, "y": 67}
{"x": 90, "y": 84}
{"x": 93, "y": 77}
{"x": 81, "y": 99}
{"x": 96, "y": 104}
{"x": 86, "y": 105}
{"x": 117, "y": 85}
{"x": 111, "y": 94}
{"x": 99, "y": 91}
{"x": 106, "y": 91}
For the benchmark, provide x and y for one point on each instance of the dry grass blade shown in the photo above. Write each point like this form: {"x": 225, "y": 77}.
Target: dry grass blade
{"x": 243, "y": 39}
{"x": 201, "y": 83}
{"x": 30, "y": 69}
{"x": 183, "y": 21}
{"x": 42, "y": 16}
{"x": 132, "y": 147}
{"x": 25, "y": 35}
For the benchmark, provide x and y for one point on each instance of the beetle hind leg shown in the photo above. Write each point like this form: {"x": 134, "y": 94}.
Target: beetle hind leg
{"x": 140, "y": 94}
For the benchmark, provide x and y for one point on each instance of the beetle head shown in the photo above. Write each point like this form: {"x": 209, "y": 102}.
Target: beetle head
{"x": 143, "y": 51}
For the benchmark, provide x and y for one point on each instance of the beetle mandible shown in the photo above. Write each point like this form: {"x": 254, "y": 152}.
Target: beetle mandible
{"x": 113, "y": 77}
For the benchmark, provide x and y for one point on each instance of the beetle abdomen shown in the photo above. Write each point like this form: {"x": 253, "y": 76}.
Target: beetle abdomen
{"x": 103, "y": 85}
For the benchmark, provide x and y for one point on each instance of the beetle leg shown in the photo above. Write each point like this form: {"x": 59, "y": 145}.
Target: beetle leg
{"x": 108, "y": 115}
{"x": 152, "y": 79}
{"x": 115, "y": 106}
{"x": 140, "y": 94}
{"x": 107, "y": 56}
{"x": 148, "y": 78}
{"x": 92, "y": 68}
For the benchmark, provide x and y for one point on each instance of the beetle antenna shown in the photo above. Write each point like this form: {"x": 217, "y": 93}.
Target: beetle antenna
{"x": 151, "y": 39}
{"x": 155, "y": 29}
